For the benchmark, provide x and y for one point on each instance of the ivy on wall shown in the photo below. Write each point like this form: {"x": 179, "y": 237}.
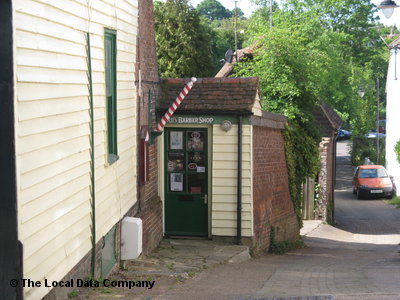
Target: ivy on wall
{"x": 302, "y": 158}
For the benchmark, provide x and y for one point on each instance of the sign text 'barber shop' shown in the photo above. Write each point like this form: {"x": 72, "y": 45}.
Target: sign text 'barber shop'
{"x": 192, "y": 120}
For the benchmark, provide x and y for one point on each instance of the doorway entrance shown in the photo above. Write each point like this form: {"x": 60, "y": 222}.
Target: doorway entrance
{"x": 186, "y": 181}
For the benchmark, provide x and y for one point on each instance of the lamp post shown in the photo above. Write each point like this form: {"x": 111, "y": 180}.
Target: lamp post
{"x": 388, "y": 7}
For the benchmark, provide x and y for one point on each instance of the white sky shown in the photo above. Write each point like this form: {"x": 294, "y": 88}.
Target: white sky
{"x": 394, "y": 20}
{"x": 247, "y": 7}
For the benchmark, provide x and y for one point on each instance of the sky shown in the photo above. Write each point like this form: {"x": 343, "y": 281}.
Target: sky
{"x": 394, "y": 20}
{"x": 247, "y": 7}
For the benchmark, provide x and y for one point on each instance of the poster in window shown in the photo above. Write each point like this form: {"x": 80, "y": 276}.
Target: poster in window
{"x": 175, "y": 161}
{"x": 176, "y": 182}
{"x": 195, "y": 141}
{"x": 197, "y": 159}
{"x": 176, "y": 140}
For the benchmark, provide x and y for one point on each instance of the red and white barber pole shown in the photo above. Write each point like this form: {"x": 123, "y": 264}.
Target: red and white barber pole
{"x": 175, "y": 104}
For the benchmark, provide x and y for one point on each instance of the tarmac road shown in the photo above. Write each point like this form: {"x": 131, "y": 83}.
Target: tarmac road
{"x": 357, "y": 259}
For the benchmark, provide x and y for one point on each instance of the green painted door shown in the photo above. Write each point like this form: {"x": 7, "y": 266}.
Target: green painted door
{"x": 186, "y": 182}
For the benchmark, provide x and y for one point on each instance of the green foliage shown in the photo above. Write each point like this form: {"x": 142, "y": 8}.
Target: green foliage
{"x": 320, "y": 50}
{"x": 183, "y": 40}
{"x": 395, "y": 201}
{"x": 317, "y": 50}
{"x": 73, "y": 294}
{"x": 397, "y": 150}
{"x": 213, "y": 10}
{"x": 224, "y": 37}
{"x": 363, "y": 147}
{"x": 302, "y": 158}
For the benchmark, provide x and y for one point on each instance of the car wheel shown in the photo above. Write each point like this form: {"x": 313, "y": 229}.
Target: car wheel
{"x": 389, "y": 196}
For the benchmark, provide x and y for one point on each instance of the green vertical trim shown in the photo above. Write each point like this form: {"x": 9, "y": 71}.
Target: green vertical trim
{"x": 92, "y": 166}
{"x": 110, "y": 54}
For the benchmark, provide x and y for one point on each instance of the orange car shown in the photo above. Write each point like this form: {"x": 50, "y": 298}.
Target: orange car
{"x": 372, "y": 180}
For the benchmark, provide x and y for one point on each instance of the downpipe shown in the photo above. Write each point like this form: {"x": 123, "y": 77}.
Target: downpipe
{"x": 239, "y": 182}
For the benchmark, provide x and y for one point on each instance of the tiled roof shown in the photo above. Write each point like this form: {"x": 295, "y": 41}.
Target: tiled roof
{"x": 327, "y": 119}
{"x": 211, "y": 94}
{"x": 395, "y": 43}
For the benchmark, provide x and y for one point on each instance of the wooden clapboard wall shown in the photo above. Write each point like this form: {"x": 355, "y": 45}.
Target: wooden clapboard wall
{"x": 52, "y": 129}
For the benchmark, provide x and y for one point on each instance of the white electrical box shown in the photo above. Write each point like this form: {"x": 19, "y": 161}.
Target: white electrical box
{"x": 131, "y": 238}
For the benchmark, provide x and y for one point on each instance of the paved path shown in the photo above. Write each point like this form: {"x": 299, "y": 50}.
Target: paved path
{"x": 358, "y": 259}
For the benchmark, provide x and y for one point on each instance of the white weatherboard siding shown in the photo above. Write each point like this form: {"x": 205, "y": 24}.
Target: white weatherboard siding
{"x": 224, "y": 181}
{"x": 52, "y": 129}
{"x": 392, "y": 116}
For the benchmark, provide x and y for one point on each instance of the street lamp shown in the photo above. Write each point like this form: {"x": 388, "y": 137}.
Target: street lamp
{"x": 361, "y": 92}
{"x": 388, "y": 7}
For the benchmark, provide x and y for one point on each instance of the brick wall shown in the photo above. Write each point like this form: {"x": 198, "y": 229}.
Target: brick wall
{"x": 148, "y": 87}
{"x": 271, "y": 198}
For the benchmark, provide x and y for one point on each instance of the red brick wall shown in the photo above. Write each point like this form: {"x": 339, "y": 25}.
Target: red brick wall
{"x": 271, "y": 197}
{"x": 149, "y": 204}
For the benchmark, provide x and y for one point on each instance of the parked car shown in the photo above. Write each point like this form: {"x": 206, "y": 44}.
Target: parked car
{"x": 372, "y": 180}
{"x": 344, "y": 134}
{"x": 372, "y": 134}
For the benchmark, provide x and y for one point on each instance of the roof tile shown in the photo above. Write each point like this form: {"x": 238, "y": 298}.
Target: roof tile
{"x": 214, "y": 94}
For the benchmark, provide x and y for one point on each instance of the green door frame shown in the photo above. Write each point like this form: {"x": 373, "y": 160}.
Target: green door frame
{"x": 186, "y": 181}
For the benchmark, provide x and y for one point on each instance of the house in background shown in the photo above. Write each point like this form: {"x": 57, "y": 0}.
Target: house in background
{"x": 70, "y": 114}
{"x": 392, "y": 112}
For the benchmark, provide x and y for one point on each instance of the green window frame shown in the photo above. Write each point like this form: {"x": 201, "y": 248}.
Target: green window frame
{"x": 110, "y": 54}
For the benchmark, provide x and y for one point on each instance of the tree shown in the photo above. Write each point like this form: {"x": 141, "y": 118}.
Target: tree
{"x": 183, "y": 40}
{"x": 317, "y": 50}
{"x": 224, "y": 36}
{"x": 213, "y": 10}
{"x": 331, "y": 49}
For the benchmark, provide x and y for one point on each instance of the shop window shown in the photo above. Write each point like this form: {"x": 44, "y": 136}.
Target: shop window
{"x": 110, "y": 48}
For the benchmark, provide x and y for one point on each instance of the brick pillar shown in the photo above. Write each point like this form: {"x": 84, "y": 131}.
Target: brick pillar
{"x": 147, "y": 81}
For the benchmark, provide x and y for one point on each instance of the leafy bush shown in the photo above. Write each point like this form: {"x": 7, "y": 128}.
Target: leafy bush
{"x": 363, "y": 147}
{"x": 303, "y": 160}
{"x": 397, "y": 150}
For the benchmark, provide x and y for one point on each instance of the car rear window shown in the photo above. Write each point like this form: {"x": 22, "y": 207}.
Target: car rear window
{"x": 373, "y": 173}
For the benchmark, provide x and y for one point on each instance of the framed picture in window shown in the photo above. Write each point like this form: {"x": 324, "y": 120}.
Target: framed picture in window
{"x": 176, "y": 182}
{"x": 176, "y": 140}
